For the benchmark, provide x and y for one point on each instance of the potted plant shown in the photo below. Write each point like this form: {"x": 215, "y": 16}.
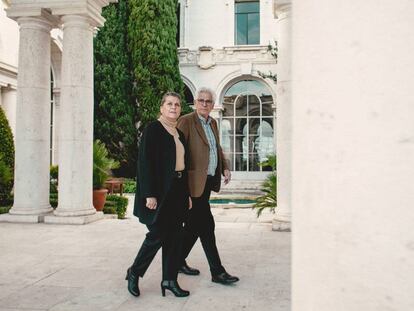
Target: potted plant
{"x": 102, "y": 166}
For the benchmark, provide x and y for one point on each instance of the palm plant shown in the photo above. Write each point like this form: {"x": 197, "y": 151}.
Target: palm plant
{"x": 102, "y": 164}
{"x": 269, "y": 186}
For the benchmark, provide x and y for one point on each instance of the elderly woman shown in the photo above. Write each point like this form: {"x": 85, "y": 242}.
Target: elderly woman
{"x": 162, "y": 197}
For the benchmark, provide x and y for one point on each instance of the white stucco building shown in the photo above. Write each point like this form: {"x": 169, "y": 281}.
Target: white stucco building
{"x": 224, "y": 45}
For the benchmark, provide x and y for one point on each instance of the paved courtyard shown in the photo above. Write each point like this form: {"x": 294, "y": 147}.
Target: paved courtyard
{"x": 70, "y": 267}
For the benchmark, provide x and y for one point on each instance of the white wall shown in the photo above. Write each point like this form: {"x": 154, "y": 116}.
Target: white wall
{"x": 353, "y": 155}
{"x": 9, "y": 43}
{"x": 9, "y": 38}
{"x": 8, "y": 103}
{"x": 211, "y": 23}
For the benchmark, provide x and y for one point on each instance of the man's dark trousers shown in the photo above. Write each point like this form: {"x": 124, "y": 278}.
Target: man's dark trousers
{"x": 200, "y": 223}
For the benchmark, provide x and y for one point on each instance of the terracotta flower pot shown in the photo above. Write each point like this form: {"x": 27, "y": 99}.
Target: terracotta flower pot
{"x": 99, "y": 198}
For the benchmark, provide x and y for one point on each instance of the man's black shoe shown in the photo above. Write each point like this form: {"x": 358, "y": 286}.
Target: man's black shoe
{"x": 186, "y": 269}
{"x": 224, "y": 278}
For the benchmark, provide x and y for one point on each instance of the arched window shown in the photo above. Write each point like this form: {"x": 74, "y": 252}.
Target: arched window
{"x": 189, "y": 98}
{"x": 247, "y": 125}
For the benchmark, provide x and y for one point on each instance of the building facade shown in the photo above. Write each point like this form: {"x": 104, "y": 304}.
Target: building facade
{"x": 230, "y": 46}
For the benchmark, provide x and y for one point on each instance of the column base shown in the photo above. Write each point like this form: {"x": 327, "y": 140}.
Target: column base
{"x": 280, "y": 225}
{"x": 24, "y": 211}
{"x": 71, "y": 212}
{"x": 31, "y": 219}
{"x": 73, "y": 220}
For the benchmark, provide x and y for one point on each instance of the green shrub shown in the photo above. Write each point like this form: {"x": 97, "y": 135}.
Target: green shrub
{"x": 268, "y": 200}
{"x": 129, "y": 186}
{"x": 53, "y": 202}
{"x": 119, "y": 203}
{"x": 53, "y": 199}
{"x": 269, "y": 186}
{"x": 54, "y": 172}
{"x": 4, "y": 209}
{"x": 109, "y": 208}
{"x": 6, "y": 175}
{"x": 7, "y": 157}
{"x": 54, "y": 175}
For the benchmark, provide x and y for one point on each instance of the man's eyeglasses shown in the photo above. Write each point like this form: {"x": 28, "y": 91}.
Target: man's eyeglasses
{"x": 203, "y": 101}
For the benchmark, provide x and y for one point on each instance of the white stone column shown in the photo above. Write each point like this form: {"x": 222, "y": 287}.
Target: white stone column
{"x": 76, "y": 120}
{"x": 56, "y": 125}
{"x": 282, "y": 220}
{"x": 31, "y": 181}
{"x": 353, "y": 155}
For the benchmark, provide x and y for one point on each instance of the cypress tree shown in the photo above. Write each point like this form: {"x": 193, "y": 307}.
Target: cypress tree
{"x": 6, "y": 159}
{"x": 115, "y": 107}
{"x": 152, "y": 31}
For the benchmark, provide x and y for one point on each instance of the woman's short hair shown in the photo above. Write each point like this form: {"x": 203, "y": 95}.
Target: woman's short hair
{"x": 174, "y": 94}
{"x": 208, "y": 91}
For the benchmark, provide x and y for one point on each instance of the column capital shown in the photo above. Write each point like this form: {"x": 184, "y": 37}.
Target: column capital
{"x": 80, "y": 21}
{"x": 281, "y": 7}
{"x": 33, "y": 17}
{"x": 88, "y": 8}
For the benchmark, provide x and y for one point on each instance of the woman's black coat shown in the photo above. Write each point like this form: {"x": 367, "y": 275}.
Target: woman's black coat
{"x": 156, "y": 167}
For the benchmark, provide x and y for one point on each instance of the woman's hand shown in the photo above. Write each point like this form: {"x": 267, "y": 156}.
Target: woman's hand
{"x": 151, "y": 203}
{"x": 190, "y": 203}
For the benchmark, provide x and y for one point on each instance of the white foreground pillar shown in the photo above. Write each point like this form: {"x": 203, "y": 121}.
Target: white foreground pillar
{"x": 76, "y": 122}
{"x": 282, "y": 220}
{"x": 353, "y": 155}
{"x": 31, "y": 181}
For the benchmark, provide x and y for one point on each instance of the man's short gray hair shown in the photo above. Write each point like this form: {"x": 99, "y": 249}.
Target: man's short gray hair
{"x": 208, "y": 91}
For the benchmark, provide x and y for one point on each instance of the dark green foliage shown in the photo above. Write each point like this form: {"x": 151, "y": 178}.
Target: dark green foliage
{"x": 54, "y": 171}
{"x": 53, "y": 200}
{"x": 268, "y": 199}
{"x": 6, "y": 175}
{"x": 116, "y": 205}
{"x": 7, "y": 159}
{"x": 152, "y": 32}
{"x": 54, "y": 174}
{"x": 109, "y": 208}
{"x": 269, "y": 187}
{"x": 115, "y": 106}
{"x": 271, "y": 161}
{"x": 130, "y": 186}
{"x": 4, "y": 209}
{"x": 102, "y": 164}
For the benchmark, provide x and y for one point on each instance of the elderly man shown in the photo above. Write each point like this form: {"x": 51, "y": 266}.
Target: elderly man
{"x": 206, "y": 165}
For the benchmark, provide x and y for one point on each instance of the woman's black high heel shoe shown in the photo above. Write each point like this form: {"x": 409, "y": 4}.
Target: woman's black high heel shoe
{"x": 132, "y": 283}
{"x": 174, "y": 288}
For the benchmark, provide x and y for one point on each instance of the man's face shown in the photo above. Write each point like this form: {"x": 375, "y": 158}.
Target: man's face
{"x": 204, "y": 104}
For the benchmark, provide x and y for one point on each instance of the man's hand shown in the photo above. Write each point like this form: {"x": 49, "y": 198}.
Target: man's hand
{"x": 151, "y": 203}
{"x": 190, "y": 203}
{"x": 227, "y": 176}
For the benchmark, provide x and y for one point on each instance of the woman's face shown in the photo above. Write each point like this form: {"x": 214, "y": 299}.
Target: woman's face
{"x": 171, "y": 108}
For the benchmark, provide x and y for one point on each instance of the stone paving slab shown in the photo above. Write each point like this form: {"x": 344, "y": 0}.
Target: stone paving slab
{"x": 65, "y": 267}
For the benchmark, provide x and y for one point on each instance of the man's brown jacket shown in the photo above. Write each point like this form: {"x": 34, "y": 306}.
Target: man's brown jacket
{"x": 199, "y": 150}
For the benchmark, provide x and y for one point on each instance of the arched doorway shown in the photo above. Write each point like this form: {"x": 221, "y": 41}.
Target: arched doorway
{"x": 247, "y": 127}
{"x": 188, "y": 95}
